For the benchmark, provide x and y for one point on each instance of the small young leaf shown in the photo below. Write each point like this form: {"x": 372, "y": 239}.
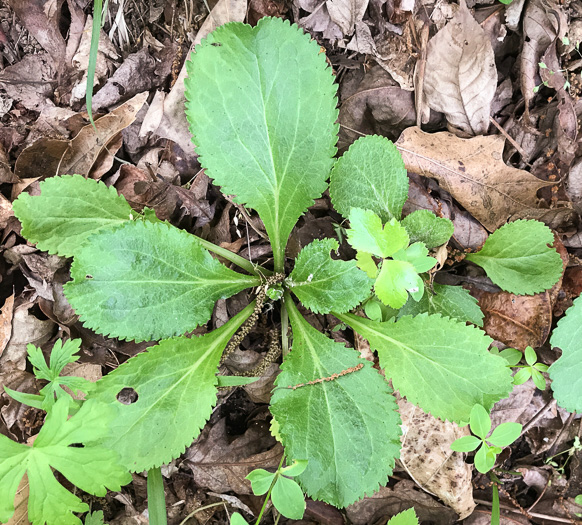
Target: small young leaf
{"x": 332, "y": 421}
{"x": 426, "y": 227}
{"x": 261, "y": 481}
{"x": 449, "y": 301}
{"x": 417, "y": 255}
{"x": 485, "y": 459}
{"x": 367, "y": 234}
{"x": 396, "y": 280}
{"x": 465, "y": 444}
{"x": 408, "y": 517}
{"x": 264, "y": 132}
{"x": 370, "y": 175}
{"x": 521, "y": 376}
{"x": 68, "y": 210}
{"x": 94, "y": 518}
{"x": 366, "y": 262}
{"x": 566, "y": 372}
{"x": 518, "y": 258}
{"x": 298, "y": 466}
{"x": 147, "y": 281}
{"x": 91, "y": 468}
{"x": 538, "y": 378}
{"x": 530, "y": 356}
{"x": 480, "y": 422}
{"x": 431, "y": 359}
{"x": 323, "y": 284}
{"x": 288, "y": 498}
{"x": 511, "y": 355}
{"x": 237, "y": 519}
{"x": 175, "y": 382}
{"x": 578, "y": 499}
{"x": 505, "y": 434}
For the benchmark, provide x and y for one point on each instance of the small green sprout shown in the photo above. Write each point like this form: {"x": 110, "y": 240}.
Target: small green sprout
{"x": 285, "y": 493}
{"x": 480, "y": 425}
{"x": 533, "y": 369}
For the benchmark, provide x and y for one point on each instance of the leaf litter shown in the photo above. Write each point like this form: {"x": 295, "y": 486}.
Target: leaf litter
{"x": 459, "y": 66}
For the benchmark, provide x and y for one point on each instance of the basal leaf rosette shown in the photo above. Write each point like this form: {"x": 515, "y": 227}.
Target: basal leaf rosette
{"x": 566, "y": 372}
{"x": 340, "y": 416}
{"x": 148, "y": 281}
{"x": 261, "y": 103}
{"x": 437, "y": 363}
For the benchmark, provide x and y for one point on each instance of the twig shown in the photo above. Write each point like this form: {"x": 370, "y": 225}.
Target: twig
{"x": 533, "y": 514}
{"x": 550, "y": 404}
{"x": 510, "y": 139}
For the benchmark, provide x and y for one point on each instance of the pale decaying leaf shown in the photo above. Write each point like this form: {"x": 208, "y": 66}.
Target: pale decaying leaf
{"x": 173, "y": 124}
{"x": 345, "y": 13}
{"x": 6, "y": 322}
{"x": 90, "y": 153}
{"x": 26, "y": 328}
{"x": 473, "y": 172}
{"x": 427, "y": 457}
{"x": 461, "y": 77}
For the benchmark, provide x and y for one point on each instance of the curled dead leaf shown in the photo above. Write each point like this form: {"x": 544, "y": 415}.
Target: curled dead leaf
{"x": 460, "y": 76}
{"x": 427, "y": 457}
{"x": 473, "y": 172}
{"x": 86, "y": 153}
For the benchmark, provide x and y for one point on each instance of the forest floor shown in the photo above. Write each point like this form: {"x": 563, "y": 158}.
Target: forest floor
{"x": 510, "y": 76}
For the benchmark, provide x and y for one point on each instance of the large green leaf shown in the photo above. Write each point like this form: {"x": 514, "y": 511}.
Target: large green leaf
{"x": 346, "y": 426}
{"x": 148, "y": 281}
{"x": 261, "y": 102}
{"x": 370, "y": 175}
{"x": 176, "y": 385}
{"x": 566, "y": 372}
{"x": 92, "y": 467}
{"x": 439, "y": 364}
{"x": 518, "y": 258}
{"x": 449, "y": 301}
{"x": 426, "y": 227}
{"x": 323, "y": 284}
{"x": 67, "y": 211}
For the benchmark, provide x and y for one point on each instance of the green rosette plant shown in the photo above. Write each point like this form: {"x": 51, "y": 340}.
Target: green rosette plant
{"x": 261, "y": 103}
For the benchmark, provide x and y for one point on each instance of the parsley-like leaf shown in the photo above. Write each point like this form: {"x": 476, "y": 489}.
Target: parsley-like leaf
{"x": 92, "y": 468}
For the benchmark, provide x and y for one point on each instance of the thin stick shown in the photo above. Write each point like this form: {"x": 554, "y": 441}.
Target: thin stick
{"x": 515, "y": 511}
{"x": 511, "y": 140}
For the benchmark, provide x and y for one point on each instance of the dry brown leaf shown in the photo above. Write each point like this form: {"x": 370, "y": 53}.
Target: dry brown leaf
{"x": 516, "y": 320}
{"x": 6, "y": 322}
{"x": 541, "y": 22}
{"x": 345, "y": 13}
{"x": 473, "y": 172}
{"x": 26, "y": 328}
{"x": 427, "y": 457}
{"x": 378, "y": 106}
{"x": 87, "y": 152}
{"x": 173, "y": 124}
{"x": 388, "y": 502}
{"x": 460, "y": 76}
{"x": 221, "y": 464}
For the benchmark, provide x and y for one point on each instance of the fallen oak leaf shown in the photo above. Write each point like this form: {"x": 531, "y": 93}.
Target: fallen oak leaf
{"x": 460, "y": 77}
{"x": 82, "y": 154}
{"x": 473, "y": 172}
